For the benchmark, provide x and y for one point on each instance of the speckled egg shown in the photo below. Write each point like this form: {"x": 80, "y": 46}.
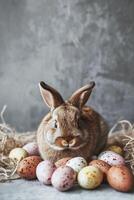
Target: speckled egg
{"x": 63, "y": 178}
{"x": 62, "y": 161}
{"x": 18, "y": 154}
{"x": 116, "y": 149}
{"x": 90, "y": 177}
{"x": 77, "y": 163}
{"x": 32, "y": 149}
{"x": 103, "y": 166}
{"x": 27, "y": 167}
{"x": 120, "y": 178}
{"x": 111, "y": 158}
{"x": 44, "y": 171}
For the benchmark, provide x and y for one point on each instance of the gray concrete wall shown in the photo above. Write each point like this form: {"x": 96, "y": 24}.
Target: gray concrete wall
{"x": 66, "y": 43}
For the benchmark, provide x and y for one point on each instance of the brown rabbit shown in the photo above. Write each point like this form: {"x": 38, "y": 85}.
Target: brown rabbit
{"x": 70, "y": 128}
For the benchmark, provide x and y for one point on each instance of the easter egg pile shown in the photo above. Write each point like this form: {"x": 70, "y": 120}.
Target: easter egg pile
{"x": 109, "y": 168}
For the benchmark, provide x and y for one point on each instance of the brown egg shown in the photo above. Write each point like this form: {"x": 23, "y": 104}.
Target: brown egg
{"x": 62, "y": 161}
{"x": 103, "y": 166}
{"x": 120, "y": 178}
{"x": 27, "y": 167}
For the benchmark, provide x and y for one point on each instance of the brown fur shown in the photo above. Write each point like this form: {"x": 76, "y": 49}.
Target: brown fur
{"x": 71, "y": 128}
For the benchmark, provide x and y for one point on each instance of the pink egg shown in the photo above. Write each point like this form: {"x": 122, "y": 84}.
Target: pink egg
{"x": 44, "y": 171}
{"x": 112, "y": 158}
{"x": 32, "y": 149}
{"x": 63, "y": 178}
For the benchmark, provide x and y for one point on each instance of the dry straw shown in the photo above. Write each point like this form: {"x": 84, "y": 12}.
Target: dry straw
{"x": 10, "y": 139}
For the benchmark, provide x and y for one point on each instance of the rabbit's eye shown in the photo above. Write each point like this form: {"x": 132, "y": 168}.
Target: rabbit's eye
{"x": 55, "y": 124}
{"x": 78, "y": 123}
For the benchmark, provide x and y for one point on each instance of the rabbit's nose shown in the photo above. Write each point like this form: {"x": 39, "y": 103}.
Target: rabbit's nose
{"x": 72, "y": 142}
{"x": 65, "y": 143}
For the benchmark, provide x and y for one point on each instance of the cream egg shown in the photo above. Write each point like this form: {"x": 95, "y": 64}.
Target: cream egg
{"x": 90, "y": 177}
{"x": 18, "y": 154}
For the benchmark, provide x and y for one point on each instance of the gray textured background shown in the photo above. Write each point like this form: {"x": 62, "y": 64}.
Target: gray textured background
{"x": 66, "y": 43}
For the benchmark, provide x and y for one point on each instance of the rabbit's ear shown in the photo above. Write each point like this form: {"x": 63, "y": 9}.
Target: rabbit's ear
{"x": 80, "y": 97}
{"x": 51, "y": 97}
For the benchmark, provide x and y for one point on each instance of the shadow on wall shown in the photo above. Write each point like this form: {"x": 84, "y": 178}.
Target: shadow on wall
{"x": 67, "y": 44}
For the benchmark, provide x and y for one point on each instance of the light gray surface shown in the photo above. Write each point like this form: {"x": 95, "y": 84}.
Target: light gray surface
{"x": 66, "y": 43}
{"x": 33, "y": 190}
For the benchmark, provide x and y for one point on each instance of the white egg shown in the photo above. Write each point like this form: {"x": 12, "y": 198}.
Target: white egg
{"x": 63, "y": 178}
{"x": 31, "y": 148}
{"x": 44, "y": 171}
{"x": 77, "y": 163}
{"x": 112, "y": 158}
